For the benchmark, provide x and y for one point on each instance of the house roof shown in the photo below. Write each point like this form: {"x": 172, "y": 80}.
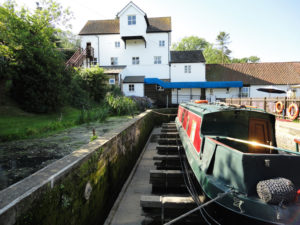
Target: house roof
{"x": 156, "y": 24}
{"x": 255, "y": 73}
{"x": 113, "y": 69}
{"x": 133, "y": 5}
{"x": 134, "y": 79}
{"x": 187, "y": 56}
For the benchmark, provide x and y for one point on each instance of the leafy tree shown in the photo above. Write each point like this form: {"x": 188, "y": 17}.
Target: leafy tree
{"x": 190, "y": 43}
{"x": 93, "y": 81}
{"x": 34, "y": 63}
{"x": 214, "y": 55}
{"x": 251, "y": 59}
{"x": 223, "y": 41}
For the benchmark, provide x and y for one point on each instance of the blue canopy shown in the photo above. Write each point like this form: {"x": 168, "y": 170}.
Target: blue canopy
{"x": 203, "y": 84}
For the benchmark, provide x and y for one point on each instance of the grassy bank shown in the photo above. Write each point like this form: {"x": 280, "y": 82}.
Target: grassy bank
{"x": 16, "y": 124}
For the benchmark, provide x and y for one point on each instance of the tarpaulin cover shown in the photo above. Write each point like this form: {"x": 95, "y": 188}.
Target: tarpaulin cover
{"x": 203, "y": 84}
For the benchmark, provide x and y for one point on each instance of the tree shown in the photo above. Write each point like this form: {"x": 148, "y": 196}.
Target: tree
{"x": 190, "y": 43}
{"x": 214, "y": 55}
{"x": 35, "y": 64}
{"x": 251, "y": 59}
{"x": 223, "y": 41}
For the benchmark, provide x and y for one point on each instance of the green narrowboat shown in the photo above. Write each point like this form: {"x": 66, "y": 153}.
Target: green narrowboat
{"x": 233, "y": 149}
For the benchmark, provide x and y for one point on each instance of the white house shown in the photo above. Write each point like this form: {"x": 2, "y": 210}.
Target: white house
{"x": 138, "y": 44}
{"x": 134, "y": 50}
{"x": 137, "y": 48}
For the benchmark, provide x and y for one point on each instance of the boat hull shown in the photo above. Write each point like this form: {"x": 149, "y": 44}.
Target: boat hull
{"x": 245, "y": 208}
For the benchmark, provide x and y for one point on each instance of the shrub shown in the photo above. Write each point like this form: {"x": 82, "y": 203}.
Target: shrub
{"x": 93, "y": 81}
{"x": 142, "y": 103}
{"x": 120, "y": 105}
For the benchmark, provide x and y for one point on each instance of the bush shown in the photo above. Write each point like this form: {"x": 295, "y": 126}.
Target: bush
{"x": 120, "y": 105}
{"x": 95, "y": 114}
{"x": 142, "y": 103}
{"x": 93, "y": 81}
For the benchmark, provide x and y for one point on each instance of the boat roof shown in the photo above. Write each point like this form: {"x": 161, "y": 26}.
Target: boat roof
{"x": 203, "y": 108}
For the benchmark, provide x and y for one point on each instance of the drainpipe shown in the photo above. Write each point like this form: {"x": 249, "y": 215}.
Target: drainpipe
{"x": 98, "y": 50}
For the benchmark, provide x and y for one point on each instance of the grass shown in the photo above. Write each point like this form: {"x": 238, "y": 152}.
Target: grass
{"x": 16, "y": 124}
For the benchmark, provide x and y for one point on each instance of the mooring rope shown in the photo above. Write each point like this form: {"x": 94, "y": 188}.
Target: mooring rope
{"x": 220, "y": 195}
{"x": 190, "y": 187}
{"x": 164, "y": 114}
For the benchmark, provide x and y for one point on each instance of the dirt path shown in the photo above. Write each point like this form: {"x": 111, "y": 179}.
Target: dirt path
{"x": 19, "y": 159}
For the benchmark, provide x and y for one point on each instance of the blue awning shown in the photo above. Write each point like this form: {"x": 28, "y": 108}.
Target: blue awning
{"x": 203, "y": 84}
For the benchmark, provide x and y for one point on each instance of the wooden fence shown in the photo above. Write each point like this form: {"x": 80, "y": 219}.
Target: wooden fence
{"x": 267, "y": 104}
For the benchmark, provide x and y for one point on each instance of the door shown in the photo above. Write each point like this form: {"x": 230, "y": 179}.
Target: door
{"x": 259, "y": 131}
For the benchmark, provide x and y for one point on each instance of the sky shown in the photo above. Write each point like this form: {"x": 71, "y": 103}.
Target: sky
{"x": 269, "y": 29}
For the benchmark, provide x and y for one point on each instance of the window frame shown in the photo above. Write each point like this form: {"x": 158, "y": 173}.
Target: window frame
{"x": 114, "y": 61}
{"x": 117, "y": 44}
{"x": 244, "y": 93}
{"x": 187, "y": 69}
{"x": 161, "y": 43}
{"x": 157, "y": 59}
{"x": 135, "y": 60}
{"x": 131, "y": 20}
{"x": 131, "y": 87}
{"x": 112, "y": 79}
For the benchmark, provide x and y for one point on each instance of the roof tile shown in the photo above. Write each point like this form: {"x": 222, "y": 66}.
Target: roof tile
{"x": 255, "y": 73}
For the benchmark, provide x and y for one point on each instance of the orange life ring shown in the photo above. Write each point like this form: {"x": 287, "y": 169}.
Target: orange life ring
{"x": 201, "y": 101}
{"x": 296, "y": 111}
{"x": 279, "y": 107}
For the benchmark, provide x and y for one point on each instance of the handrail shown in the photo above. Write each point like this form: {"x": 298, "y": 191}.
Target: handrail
{"x": 259, "y": 144}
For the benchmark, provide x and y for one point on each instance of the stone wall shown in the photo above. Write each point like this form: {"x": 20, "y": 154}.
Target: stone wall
{"x": 81, "y": 187}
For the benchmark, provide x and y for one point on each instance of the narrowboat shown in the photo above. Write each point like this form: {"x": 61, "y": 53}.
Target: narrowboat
{"x": 233, "y": 149}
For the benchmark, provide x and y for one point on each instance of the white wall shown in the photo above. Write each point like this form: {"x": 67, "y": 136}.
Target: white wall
{"x": 139, "y": 29}
{"x": 197, "y": 72}
{"x": 138, "y": 90}
{"x": 254, "y": 93}
{"x": 221, "y": 93}
{"x": 134, "y": 48}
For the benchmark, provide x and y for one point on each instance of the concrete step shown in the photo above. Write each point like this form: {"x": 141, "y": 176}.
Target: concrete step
{"x": 169, "y": 135}
{"x": 167, "y": 178}
{"x": 168, "y": 149}
{"x": 169, "y": 141}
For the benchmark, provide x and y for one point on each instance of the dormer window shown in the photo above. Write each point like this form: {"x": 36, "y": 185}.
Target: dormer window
{"x": 132, "y": 20}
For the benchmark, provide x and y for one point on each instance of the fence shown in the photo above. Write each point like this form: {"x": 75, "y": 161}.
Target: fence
{"x": 267, "y": 104}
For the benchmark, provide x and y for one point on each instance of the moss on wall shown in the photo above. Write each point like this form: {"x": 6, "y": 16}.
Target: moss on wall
{"x": 105, "y": 171}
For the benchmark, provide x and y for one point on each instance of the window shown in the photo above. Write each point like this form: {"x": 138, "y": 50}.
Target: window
{"x": 161, "y": 43}
{"x": 117, "y": 44}
{"x": 132, "y": 20}
{"x": 157, "y": 59}
{"x": 244, "y": 92}
{"x": 131, "y": 87}
{"x": 114, "y": 61}
{"x": 159, "y": 88}
{"x": 94, "y": 61}
{"x": 211, "y": 91}
{"x": 112, "y": 81}
{"x": 187, "y": 69}
{"x": 135, "y": 60}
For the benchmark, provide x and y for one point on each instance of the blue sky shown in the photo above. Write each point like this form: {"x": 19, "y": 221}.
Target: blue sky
{"x": 269, "y": 29}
